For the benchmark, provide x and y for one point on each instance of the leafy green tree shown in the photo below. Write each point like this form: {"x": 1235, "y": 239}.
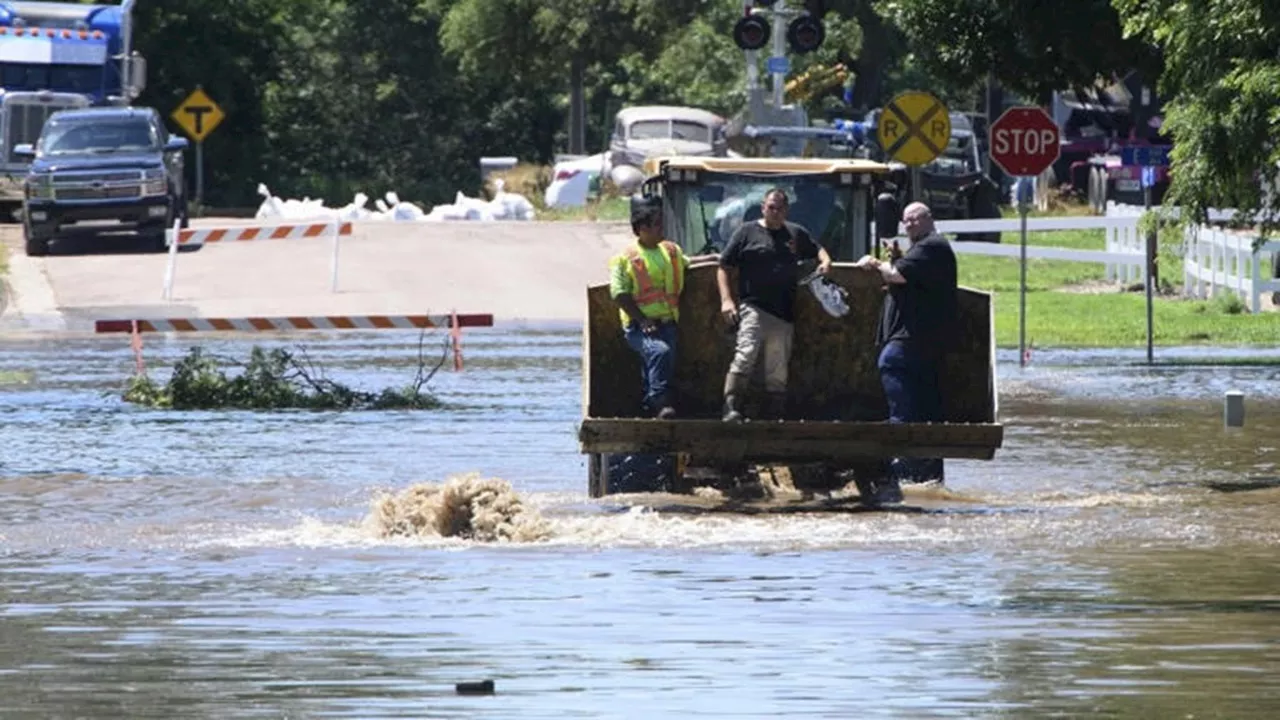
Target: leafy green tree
{"x": 1032, "y": 48}
{"x": 1222, "y": 75}
{"x": 228, "y": 49}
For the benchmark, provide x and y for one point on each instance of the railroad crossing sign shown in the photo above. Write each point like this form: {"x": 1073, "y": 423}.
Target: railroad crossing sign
{"x": 1025, "y": 141}
{"x": 914, "y": 128}
{"x": 198, "y": 115}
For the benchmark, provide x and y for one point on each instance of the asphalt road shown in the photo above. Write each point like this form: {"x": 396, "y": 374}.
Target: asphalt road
{"x": 521, "y": 272}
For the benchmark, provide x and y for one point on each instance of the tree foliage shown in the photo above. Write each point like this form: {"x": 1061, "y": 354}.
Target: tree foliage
{"x": 329, "y": 97}
{"x": 1222, "y": 73}
{"x": 1033, "y": 48}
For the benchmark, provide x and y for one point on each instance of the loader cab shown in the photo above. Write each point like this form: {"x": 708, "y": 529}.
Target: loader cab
{"x": 706, "y": 199}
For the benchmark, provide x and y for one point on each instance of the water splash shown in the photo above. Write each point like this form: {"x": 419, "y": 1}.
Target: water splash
{"x": 469, "y": 507}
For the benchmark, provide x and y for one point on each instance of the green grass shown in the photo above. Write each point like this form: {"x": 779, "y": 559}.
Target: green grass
{"x": 1061, "y": 319}
{"x": 984, "y": 272}
{"x": 1058, "y": 317}
{"x": 4, "y": 259}
{"x": 606, "y": 209}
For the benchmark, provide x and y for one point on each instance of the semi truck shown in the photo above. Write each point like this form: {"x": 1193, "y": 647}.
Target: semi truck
{"x": 58, "y": 56}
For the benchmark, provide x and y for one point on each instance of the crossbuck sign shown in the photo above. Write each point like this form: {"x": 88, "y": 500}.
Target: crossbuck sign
{"x": 914, "y": 128}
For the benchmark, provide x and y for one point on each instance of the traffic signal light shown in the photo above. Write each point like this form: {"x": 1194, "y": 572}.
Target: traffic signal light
{"x": 751, "y": 32}
{"x": 805, "y": 34}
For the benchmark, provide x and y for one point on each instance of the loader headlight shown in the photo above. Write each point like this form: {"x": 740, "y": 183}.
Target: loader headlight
{"x": 153, "y": 182}
{"x": 40, "y": 187}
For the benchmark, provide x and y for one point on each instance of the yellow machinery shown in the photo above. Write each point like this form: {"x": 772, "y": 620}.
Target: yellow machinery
{"x": 835, "y": 429}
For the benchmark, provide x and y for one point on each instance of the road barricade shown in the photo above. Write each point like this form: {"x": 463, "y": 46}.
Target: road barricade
{"x": 176, "y": 238}
{"x": 453, "y": 321}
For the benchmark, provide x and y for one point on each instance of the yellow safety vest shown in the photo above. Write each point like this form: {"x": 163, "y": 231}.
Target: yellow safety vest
{"x": 658, "y": 300}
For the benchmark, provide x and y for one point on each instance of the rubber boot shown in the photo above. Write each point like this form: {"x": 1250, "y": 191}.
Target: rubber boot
{"x": 735, "y": 386}
{"x": 777, "y": 405}
{"x": 666, "y": 411}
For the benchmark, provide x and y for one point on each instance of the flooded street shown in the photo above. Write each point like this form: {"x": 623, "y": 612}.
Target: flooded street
{"x": 1119, "y": 557}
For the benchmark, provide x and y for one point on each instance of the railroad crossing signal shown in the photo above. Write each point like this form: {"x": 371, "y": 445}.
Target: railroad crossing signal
{"x": 198, "y": 115}
{"x": 1025, "y": 141}
{"x": 914, "y": 128}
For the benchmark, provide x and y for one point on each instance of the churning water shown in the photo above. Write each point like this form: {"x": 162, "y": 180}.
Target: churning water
{"x": 1118, "y": 558}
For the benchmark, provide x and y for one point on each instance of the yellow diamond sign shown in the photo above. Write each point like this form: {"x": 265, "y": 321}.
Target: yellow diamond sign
{"x": 198, "y": 115}
{"x": 914, "y": 128}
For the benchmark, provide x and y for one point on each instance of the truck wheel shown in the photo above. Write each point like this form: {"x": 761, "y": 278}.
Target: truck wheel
{"x": 154, "y": 241}
{"x": 36, "y": 246}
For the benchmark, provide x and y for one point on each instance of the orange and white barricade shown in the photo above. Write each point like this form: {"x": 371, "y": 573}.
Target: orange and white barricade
{"x": 192, "y": 237}
{"x": 454, "y": 322}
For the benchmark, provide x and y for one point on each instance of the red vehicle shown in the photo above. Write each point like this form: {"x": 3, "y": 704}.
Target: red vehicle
{"x": 1096, "y": 127}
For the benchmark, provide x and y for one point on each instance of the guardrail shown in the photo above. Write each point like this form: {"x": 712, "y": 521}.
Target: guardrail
{"x": 198, "y": 237}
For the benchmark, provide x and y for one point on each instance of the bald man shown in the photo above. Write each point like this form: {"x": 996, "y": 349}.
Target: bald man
{"x": 916, "y": 328}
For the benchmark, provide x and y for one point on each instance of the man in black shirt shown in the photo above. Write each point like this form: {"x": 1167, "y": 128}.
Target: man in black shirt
{"x": 916, "y": 326}
{"x": 765, "y": 253}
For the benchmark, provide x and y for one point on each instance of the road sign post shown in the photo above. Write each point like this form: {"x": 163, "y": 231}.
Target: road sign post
{"x": 1024, "y": 142}
{"x": 1149, "y": 158}
{"x": 198, "y": 115}
{"x": 914, "y": 129}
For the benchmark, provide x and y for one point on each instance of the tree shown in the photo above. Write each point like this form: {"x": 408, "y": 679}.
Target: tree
{"x": 228, "y": 49}
{"x": 1222, "y": 78}
{"x": 1032, "y": 48}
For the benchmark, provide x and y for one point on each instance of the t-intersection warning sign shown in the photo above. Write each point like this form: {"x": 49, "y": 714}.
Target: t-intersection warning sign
{"x": 198, "y": 115}
{"x": 914, "y": 128}
{"x": 1025, "y": 141}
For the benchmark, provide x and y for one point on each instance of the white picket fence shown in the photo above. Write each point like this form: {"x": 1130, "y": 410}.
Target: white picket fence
{"x": 1214, "y": 260}
{"x": 1217, "y": 260}
{"x": 1123, "y": 255}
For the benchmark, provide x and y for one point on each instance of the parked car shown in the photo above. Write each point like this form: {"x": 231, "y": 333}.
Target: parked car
{"x": 661, "y": 130}
{"x": 103, "y": 169}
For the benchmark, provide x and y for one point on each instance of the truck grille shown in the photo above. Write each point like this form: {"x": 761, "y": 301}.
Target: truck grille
{"x": 25, "y": 121}
{"x": 102, "y": 193}
{"x": 101, "y": 185}
{"x": 89, "y": 177}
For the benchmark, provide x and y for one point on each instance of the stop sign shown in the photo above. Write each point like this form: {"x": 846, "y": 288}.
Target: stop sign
{"x": 1025, "y": 141}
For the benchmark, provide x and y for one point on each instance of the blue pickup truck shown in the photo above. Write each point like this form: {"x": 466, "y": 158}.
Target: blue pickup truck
{"x": 103, "y": 169}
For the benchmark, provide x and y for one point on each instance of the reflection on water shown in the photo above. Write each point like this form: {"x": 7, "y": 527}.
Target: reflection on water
{"x": 1118, "y": 558}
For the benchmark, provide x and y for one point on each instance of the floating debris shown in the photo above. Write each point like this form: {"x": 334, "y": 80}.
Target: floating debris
{"x": 272, "y": 380}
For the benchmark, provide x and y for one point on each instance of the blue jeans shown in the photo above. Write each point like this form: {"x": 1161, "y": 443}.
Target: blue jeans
{"x": 910, "y": 379}
{"x": 657, "y": 361}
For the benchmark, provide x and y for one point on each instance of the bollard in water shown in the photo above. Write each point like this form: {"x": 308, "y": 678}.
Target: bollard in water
{"x": 483, "y": 687}
{"x": 1233, "y": 409}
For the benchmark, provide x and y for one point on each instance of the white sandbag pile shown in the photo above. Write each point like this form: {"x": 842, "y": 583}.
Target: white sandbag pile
{"x": 504, "y": 206}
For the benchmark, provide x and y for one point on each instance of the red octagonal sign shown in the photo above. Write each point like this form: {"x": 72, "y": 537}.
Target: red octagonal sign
{"x": 1025, "y": 141}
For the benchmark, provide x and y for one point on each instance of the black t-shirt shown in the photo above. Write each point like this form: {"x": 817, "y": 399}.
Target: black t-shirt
{"x": 924, "y": 308}
{"x": 766, "y": 261}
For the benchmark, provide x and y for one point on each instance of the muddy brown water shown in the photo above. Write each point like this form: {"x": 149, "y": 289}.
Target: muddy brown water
{"x": 1119, "y": 558}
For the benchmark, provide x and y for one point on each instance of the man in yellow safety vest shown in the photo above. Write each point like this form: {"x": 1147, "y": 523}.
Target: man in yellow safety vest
{"x": 645, "y": 281}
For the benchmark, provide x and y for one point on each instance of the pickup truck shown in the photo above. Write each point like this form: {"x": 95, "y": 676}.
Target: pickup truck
{"x": 103, "y": 169}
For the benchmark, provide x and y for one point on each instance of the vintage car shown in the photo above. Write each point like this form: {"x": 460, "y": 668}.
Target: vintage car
{"x": 647, "y": 131}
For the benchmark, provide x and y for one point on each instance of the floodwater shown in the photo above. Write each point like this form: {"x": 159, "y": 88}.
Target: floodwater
{"x": 1118, "y": 558}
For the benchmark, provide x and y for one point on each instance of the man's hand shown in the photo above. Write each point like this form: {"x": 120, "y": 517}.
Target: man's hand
{"x": 867, "y": 262}
{"x": 729, "y": 311}
{"x": 824, "y": 266}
